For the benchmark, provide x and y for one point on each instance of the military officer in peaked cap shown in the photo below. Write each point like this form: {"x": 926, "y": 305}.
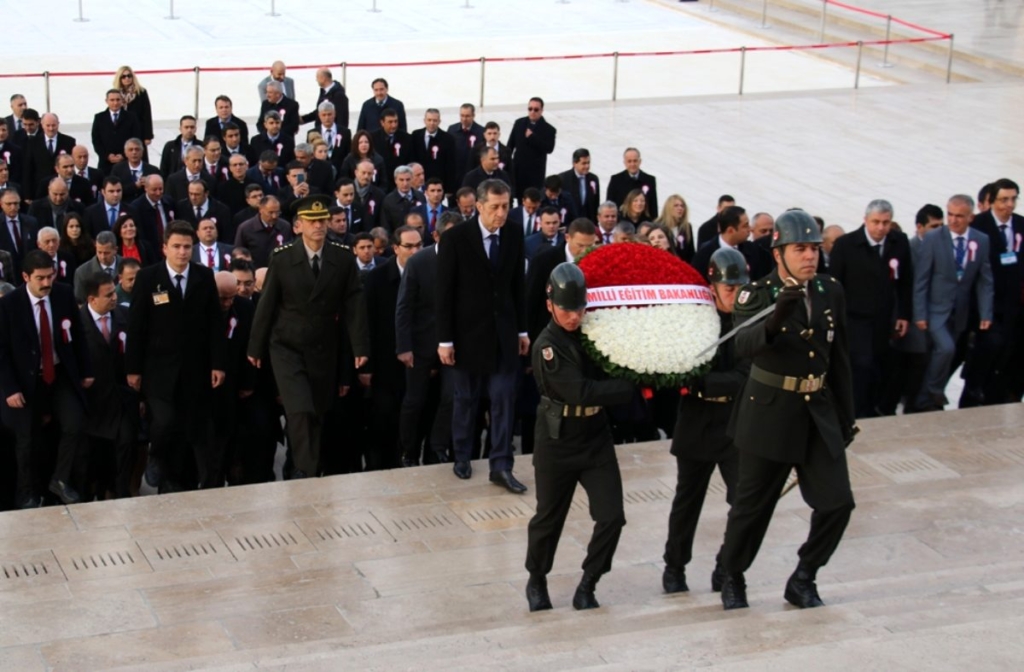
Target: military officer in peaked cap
{"x": 573, "y": 443}
{"x": 795, "y": 411}
{"x": 310, "y": 316}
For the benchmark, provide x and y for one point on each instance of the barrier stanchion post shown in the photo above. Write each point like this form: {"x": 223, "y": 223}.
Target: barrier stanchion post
{"x": 824, "y": 18}
{"x": 81, "y": 18}
{"x": 856, "y": 72}
{"x": 467, "y": 5}
{"x": 888, "y": 32}
{"x": 711, "y": 6}
{"x": 764, "y": 15}
{"x": 483, "y": 66}
{"x": 273, "y": 8}
{"x": 197, "y": 92}
{"x": 46, "y": 87}
{"x": 374, "y": 8}
{"x": 949, "y": 66}
{"x": 615, "y": 76}
{"x": 344, "y": 75}
{"x": 743, "y": 66}
{"x": 172, "y": 17}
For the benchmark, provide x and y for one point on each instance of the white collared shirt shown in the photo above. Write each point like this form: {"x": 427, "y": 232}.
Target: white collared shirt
{"x": 872, "y": 242}
{"x": 1007, "y": 232}
{"x": 310, "y": 253}
{"x": 204, "y": 256}
{"x": 96, "y": 317}
{"x": 487, "y": 243}
{"x": 724, "y": 245}
{"x": 184, "y": 280}
{"x": 568, "y": 255}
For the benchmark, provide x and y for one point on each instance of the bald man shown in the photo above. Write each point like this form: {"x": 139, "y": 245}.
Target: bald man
{"x": 334, "y": 93}
{"x": 277, "y": 74}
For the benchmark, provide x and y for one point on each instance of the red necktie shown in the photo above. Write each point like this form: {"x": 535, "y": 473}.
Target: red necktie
{"x": 433, "y": 220}
{"x": 104, "y": 327}
{"x": 209, "y": 257}
{"x": 46, "y": 343}
{"x": 159, "y": 224}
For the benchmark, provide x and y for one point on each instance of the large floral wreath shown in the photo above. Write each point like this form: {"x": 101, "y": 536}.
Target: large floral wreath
{"x": 649, "y": 315}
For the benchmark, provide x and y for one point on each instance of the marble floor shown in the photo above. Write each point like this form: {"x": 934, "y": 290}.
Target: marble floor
{"x": 414, "y": 569}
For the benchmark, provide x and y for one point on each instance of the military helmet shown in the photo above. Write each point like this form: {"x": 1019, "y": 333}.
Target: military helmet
{"x": 567, "y": 288}
{"x": 728, "y": 266}
{"x": 795, "y": 226}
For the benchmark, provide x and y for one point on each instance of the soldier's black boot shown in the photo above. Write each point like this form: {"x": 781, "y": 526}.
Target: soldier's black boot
{"x": 674, "y": 580}
{"x": 734, "y": 592}
{"x": 584, "y": 597}
{"x": 537, "y": 593}
{"x": 717, "y": 577}
{"x": 801, "y": 591}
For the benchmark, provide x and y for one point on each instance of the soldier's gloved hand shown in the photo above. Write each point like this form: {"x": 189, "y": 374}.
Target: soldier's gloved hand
{"x": 785, "y": 304}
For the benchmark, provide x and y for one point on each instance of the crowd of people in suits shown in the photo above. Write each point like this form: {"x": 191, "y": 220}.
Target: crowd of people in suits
{"x": 131, "y": 288}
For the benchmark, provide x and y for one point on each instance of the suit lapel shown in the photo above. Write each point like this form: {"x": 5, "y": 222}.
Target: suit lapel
{"x": 477, "y": 241}
{"x": 945, "y": 252}
{"x": 328, "y": 268}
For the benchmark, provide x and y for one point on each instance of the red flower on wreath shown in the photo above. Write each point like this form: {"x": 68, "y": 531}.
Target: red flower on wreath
{"x": 636, "y": 264}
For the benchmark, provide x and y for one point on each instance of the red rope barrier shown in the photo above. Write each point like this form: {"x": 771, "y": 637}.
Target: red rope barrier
{"x": 879, "y": 15}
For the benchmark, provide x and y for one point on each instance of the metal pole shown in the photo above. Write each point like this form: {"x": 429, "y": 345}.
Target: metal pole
{"x": 273, "y": 8}
{"x": 949, "y": 67}
{"x": 743, "y": 66}
{"x": 172, "y": 16}
{"x": 711, "y": 6}
{"x": 615, "y": 76}
{"x": 856, "y": 74}
{"x": 483, "y": 66}
{"x": 344, "y": 75}
{"x": 80, "y": 19}
{"x": 467, "y": 5}
{"x": 824, "y": 16}
{"x": 374, "y": 10}
{"x": 764, "y": 15}
{"x": 888, "y": 31}
{"x": 197, "y": 92}
{"x": 46, "y": 85}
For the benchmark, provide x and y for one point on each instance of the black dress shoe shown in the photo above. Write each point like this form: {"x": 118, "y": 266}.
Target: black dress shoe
{"x": 508, "y": 481}
{"x": 65, "y": 492}
{"x": 537, "y": 593}
{"x": 462, "y": 469}
{"x": 674, "y": 580}
{"x": 584, "y": 597}
{"x": 153, "y": 473}
{"x": 734, "y": 592}
{"x": 30, "y": 503}
{"x": 410, "y": 462}
{"x": 717, "y": 576}
{"x": 442, "y": 458}
{"x": 801, "y": 591}
{"x": 297, "y": 474}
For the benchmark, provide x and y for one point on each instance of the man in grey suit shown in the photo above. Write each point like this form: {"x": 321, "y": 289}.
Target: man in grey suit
{"x": 277, "y": 74}
{"x": 952, "y": 263}
{"x": 105, "y": 261}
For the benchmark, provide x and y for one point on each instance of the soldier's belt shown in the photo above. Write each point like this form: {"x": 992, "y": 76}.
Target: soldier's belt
{"x": 788, "y": 383}
{"x": 580, "y": 411}
{"x": 714, "y": 400}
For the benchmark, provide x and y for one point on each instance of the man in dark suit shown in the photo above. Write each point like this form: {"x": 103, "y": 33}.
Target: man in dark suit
{"x": 172, "y": 159}
{"x": 337, "y": 136}
{"x": 100, "y": 216}
{"x": 267, "y": 173}
{"x": 332, "y": 92}
{"x": 481, "y": 326}
{"x": 369, "y": 197}
{"x": 526, "y": 215}
{"x": 177, "y": 183}
{"x": 50, "y": 210}
{"x": 175, "y": 357}
{"x": 199, "y": 206}
{"x": 112, "y": 425}
{"x": 531, "y": 140}
{"x": 433, "y": 205}
{"x": 216, "y": 125}
{"x": 582, "y": 186}
{"x": 708, "y": 229}
{"x": 392, "y": 143}
{"x": 208, "y": 252}
{"x": 231, "y": 192}
{"x": 12, "y": 156}
{"x": 547, "y": 237}
{"x": 287, "y": 108}
{"x": 79, "y": 190}
{"x": 469, "y": 139}
{"x": 428, "y": 387}
{"x": 44, "y": 368}
{"x": 952, "y": 267}
{"x": 272, "y": 138}
{"x": 264, "y": 232}
{"x": 214, "y": 163}
{"x": 435, "y": 150}
{"x": 999, "y": 360}
{"x": 41, "y": 154}
{"x": 384, "y": 374}
{"x": 111, "y": 128}
{"x": 399, "y": 202}
{"x": 133, "y": 169}
{"x": 632, "y": 178}
{"x": 734, "y": 229}
{"x": 874, "y": 266}
{"x": 370, "y": 114}
{"x": 492, "y": 138}
{"x": 14, "y": 121}
{"x": 487, "y": 170}
{"x": 345, "y": 198}
{"x": 29, "y": 128}
{"x": 319, "y": 175}
{"x": 105, "y": 261}
{"x": 312, "y": 292}
{"x": 153, "y": 211}
{"x": 556, "y": 197}
{"x": 48, "y": 240}
{"x": 18, "y": 235}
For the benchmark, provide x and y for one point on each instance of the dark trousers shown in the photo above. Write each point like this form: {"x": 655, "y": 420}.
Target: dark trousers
{"x": 422, "y": 396}
{"x": 555, "y": 488}
{"x": 501, "y": 389}
{"x": 908, "y": 369}
{"x": 526, "y": 407}
{"x": 345, "y": 435}
{"x": 109, "y": 466}
{"x": 181, "y": 444}
{"x": 441, "y": 430}
{"x": 824, "y": 485}
{"x": 61, "y": 404}
{"x": 386, "y": 404}
{"x": 304, "y": 437}
{"x": 871, "y": 363}
{"x": 692, "y": 481}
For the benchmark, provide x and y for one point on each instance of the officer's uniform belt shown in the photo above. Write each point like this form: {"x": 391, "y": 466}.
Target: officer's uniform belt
{"x": 568, "y": 411}
{"x": 788, "y": 383}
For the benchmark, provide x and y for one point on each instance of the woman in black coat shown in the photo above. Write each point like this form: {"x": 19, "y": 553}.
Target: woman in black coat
{"x": 136, "y": 101}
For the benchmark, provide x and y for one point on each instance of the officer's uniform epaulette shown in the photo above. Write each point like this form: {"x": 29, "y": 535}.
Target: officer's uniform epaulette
{"x": 344, "y": 247}
{"x": 287, "y": 246}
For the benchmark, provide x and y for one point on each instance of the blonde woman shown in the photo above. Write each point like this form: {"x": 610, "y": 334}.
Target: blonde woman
{"x": 136, "y": 101}
{"x": 675, "y": 216}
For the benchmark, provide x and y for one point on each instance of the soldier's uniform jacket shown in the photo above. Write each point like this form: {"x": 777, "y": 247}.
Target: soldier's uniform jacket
{"x": 566, "y": 376}
{"x": 301, "y": 320}
{"x": 705, "y": 410}
{"x": 774, "y": 422}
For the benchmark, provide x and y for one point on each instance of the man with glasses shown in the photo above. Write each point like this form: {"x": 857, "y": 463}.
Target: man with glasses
{"x": 530, "y": 142}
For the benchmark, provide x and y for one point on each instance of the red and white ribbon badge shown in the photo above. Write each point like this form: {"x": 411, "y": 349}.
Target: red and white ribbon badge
{"x": 644, "y": 188}
{"x": 63, "y": 269}
{"x": 472, "y": 140}
{"x": 280, "y": 146}
{"x": 337, "y": 140}
{"x": 65, "y": 326}
{"x": 894, "y": 267}
{"x": 398, "y": 146}
{"x": 648, "y": 295}
{"x": 232, "y": 323}
{"x": 281, "y": 112}
{"x": 280, "y": 239}
{"x": 372, "y": 205}
{"x": 593, "y": 187}
{"x": 171, "y": 213}
{"x": 123, "y": 338}
{"x": 1016, "y": 244}
{"x": 434, "y": 150}
{"x": 972, "y": 249}
{"x": 227, "y": 259}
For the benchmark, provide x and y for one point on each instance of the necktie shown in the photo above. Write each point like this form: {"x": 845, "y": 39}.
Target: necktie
{"x": 348, "y": 215}
{"x": 112, "y": 216}
{"x": 159, "y": 223}
{"x": 583, "y": 189}
{"x": 380, "y": 103}
{"x": 193, "y": 178}
{"x": 961, "y": 252}
{"x": 49, "y": 146}
{"x": 316, "y": 265}
{"x": 492, "y": 252}
{"x": 199, "y": 213}
{"x": 105, "y": 327}
{"x": 433, "y": 220}
{"x": 209, "y": 257}
{"x": 135, "y": 176}
{"x": 17, "y": 124}
{"x": 81, "y": 173}
{"x": 329, "y": 138}
{"x": 17, "y": 234}
{"x": 878, "y": 248}
{"x": 391, "y": 140}
{"x": 115, "y": 116}
{"x": 607, "y": 237}
{"x": 46, "y": 344}
{"x": 1002, "y": 232}
{"x": 177, "y": 285}
{"x": 109, "y": 270}
{"x": 529, "y": 224}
